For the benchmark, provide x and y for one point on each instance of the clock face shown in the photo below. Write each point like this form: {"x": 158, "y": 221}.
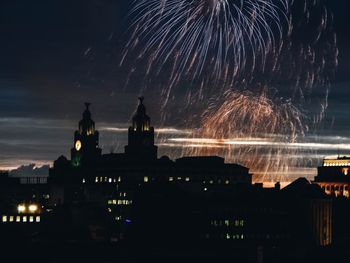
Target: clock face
{"x": 78, "y": 145}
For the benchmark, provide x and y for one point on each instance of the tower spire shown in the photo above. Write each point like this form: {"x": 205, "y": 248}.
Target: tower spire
{"x": 87, "y": 105}
{"x": 141, "y": 99}
{"x": 141, "y": 135}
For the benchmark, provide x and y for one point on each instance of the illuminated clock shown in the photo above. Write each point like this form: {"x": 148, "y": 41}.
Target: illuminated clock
{"x": 78, "y": 145}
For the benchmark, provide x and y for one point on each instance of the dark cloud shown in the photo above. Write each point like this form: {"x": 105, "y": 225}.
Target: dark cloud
{"x": 30, "y": 171}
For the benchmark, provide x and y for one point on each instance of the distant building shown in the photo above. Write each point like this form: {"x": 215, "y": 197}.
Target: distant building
{"x": 112, "y": 181}
{"x": 192, "y": 199}
{"x": 334, "y": 176}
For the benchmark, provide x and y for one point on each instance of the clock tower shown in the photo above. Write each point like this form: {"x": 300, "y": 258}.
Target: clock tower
{"x": 85, "y": 148}
{"x": 141, "y": 136}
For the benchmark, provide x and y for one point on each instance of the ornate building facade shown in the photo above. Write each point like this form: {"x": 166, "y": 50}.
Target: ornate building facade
{"x": 334, "y": 176}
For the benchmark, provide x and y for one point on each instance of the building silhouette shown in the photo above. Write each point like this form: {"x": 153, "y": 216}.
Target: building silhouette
{"x": 136, "y": 198}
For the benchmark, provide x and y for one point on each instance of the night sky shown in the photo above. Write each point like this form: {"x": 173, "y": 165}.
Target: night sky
{"x": 57, "y": 54}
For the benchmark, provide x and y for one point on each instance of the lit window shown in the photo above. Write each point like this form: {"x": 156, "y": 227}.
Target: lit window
{"x": 345, "y": 171}
{"x": 31, "y": 219}
{"x": 11, "y": 218}
{"x": 187, "y": 179}
{"x": 37, "y": 219}
{"x": 110, "y": 202}
{"x": 110, "y": 180}
{"x": 119, "y": 179}
{"x": 24, "y": 219}
{"x": 145, "y": 179}
{"x": 101, "y": 179}
{"x": 171, "y": 179}
{"x": 241, "y": 223}
{"x": 83, "y": 180}
{"x": 228, "y": 236}
{"x": 33, "y": 208}
{"x": 227, "y": 182}
{"x": 179, "y": 178}
{"x": 4, "y": 218}
{"x": 96, "y": 180}
{"x": 114, "y": 202}
{"x": 211, "y": 181}
{"x": 227, "y": 223}
{"x": 18, "y": 219}
{"x": 205, "y": 189}
{"x": 21, "y": 208}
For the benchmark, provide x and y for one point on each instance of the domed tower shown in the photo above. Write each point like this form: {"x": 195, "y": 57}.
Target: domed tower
{"x": 141, "y": 136}
{"x": 85, "y": 147}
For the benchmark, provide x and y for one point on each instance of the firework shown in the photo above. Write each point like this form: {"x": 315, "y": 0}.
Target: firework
{"x": 217, "y": 39}
{"x": 248, "y": 69}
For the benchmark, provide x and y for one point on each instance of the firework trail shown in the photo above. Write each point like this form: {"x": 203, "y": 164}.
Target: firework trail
{"x": 217, "y": 39}
{"x": 249, "y": 69}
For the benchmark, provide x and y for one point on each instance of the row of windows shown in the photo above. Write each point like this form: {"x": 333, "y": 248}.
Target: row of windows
{"x": 336, "y": 164}
{"x": 147, "y": 179}
{"x": 20, "y": 219}
{"x": 179, "y": 178}
{"x": 247, "y": 236}
{"x": 227, "y": 236}
{"x": 107, "y": 179}
{"x": 119, "y": 202}
{"x": 336, "y": 188}
{"x": 235, "y": 223}
{"x": 33, "y": 180}
{"x": 218, "y": 181}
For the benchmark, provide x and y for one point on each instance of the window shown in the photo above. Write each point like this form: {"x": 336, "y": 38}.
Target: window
{"x": 187, "y": 179}
{"x": 11, "y": 218}
{"x": 4, "y": 219}
{"x": 145, "y": 179}
{"x": 24, "y": 219}
{"x": 37, "y": 219}
{"x": 18, "y": 219}
{"x": 31, "y": 219}
{"x": 171, "y": 179}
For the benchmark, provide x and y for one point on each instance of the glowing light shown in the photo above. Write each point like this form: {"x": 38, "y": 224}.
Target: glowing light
{"x": 33, "y": 208}
{"x": 21, "y": 208}
{"x": 78, "y": 145}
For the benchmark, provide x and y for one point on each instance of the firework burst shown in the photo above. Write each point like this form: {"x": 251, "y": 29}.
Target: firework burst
{"x": 250, "y": 68}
